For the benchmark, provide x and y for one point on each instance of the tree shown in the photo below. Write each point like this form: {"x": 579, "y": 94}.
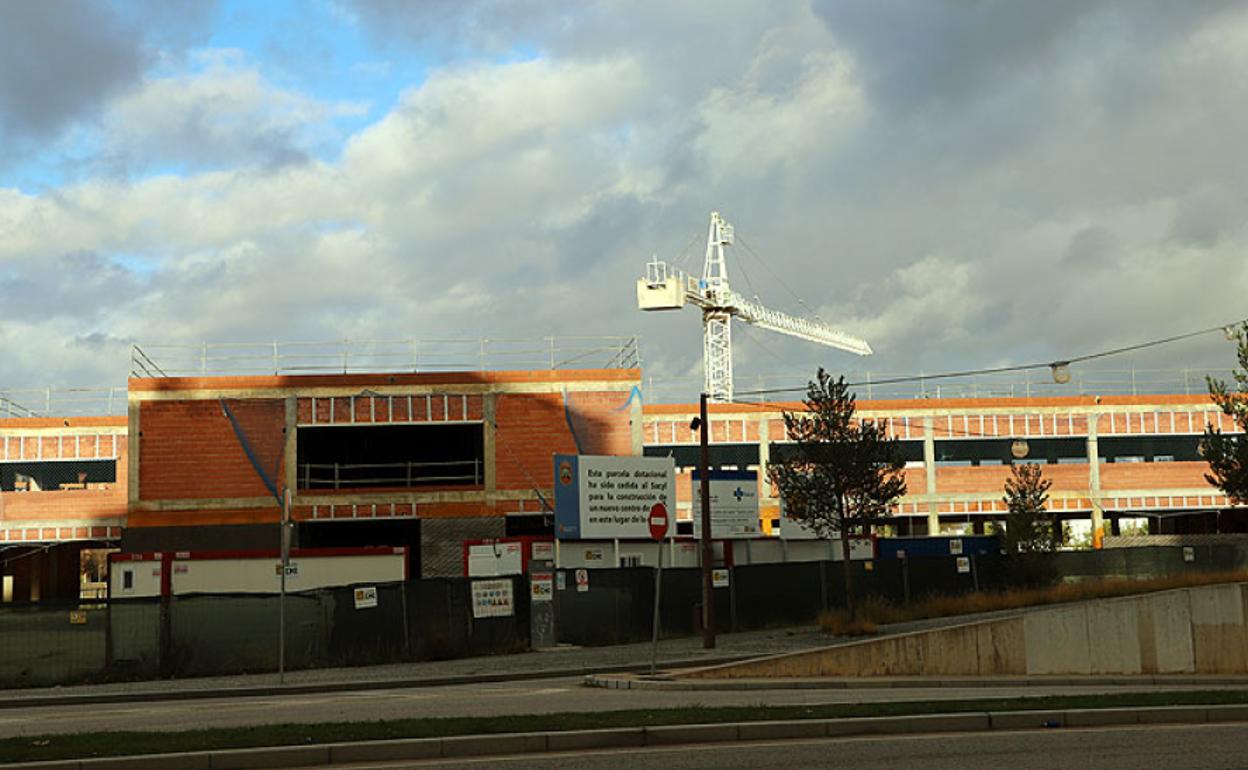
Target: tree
{"x": 1028, "y": 526}
{"x": 1227, "y": 455}
{"x": 843, "y": 475}
{"x": 1031, "y": 534}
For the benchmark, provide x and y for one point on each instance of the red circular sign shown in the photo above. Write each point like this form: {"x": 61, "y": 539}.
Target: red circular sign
{"x": 658, "y": 521}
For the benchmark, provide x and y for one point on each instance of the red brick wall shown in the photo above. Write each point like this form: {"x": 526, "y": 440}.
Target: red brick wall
{"x": 533, "y": 427}
{"x": 990, "y": 479}
{"x": 188, "y": 450}
{"x": 103, "y": 501}
{"x": 1144, "y": 476}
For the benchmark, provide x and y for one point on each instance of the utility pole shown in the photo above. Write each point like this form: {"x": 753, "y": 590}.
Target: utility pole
{"x": 708, "y": 552}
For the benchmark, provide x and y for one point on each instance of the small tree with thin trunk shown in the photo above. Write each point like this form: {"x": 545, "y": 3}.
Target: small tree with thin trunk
{"x": 1227, "y": 455}
{"x": 1031, "y": 534}
{"x": 842, "y": 475}
{"x": 1028, "y": 525}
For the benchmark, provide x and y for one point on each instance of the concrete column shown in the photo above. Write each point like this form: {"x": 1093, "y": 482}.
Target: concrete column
{"x": 636, "y": 425}
{"x": 1094, "y": 482}
{"x": 929, "y": 465}
{"x": 489, "y": 442}
{"x": 290, "y": 452}
{"x": 764, "y": 456}
{"x": 132, "y": 453}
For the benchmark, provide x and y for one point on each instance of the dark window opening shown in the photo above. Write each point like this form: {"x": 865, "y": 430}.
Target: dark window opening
{"x": 391, "y": 456}
{"x": 51, "y": 475}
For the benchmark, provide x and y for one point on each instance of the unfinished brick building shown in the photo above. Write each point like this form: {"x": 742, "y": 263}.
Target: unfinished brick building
{"x": 62, "y": 489}
{"x": 424, "y": 460}
{"x": 1109, "y": 457}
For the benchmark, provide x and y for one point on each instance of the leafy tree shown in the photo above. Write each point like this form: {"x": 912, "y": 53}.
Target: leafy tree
{"x": 1031, "y": 534}
{"x": 1227, "y": 455}
{"x": 843, "y": 475}
{"x": 1028, "y": 526}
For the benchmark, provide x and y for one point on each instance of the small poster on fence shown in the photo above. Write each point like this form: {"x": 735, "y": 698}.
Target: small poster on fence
{"x": 492, "y": 599}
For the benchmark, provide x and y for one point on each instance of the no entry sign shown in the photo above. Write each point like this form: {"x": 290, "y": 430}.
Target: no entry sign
{"x": 658, "y": 521}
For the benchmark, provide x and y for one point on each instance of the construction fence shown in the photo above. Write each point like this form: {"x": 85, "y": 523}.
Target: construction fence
{"x": 215, "y": 634}
{"x": 441, "y": 618}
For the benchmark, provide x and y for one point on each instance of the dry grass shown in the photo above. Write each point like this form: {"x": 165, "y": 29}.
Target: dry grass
{"x": 837, "y": 623}
{"x": 875, "y": 611}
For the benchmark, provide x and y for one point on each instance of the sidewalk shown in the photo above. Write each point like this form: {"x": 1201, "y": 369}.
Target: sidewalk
{"x": 557, "y": 661}
{"x": 683, "y": 652}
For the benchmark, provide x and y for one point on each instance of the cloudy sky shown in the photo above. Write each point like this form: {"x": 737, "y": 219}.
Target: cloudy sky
{"x": 966, "y": 184}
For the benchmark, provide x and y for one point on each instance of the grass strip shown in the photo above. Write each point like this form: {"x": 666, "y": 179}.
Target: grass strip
{"x": 111, "y": 744}
{"x": 875, "y": 611}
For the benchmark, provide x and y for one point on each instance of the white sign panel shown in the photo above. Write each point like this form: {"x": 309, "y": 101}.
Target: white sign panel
{"x": 734, "y": 505}
{"x": 964, "y": 565}
{"x": 495, "y": 559}
{"x": 955, "y": 547}
{"x": 610, "y": 497}
{"x": 542, "y": 551}
{"x": 492, "y": 599}
{"x": 542, "y": 586}
{"x": 365, "y": 597}
{"x": 719, "y": 577}
{"x": 582, "y": 580}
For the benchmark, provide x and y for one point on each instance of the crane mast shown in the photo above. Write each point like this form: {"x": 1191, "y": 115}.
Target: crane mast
{"x": 666, "y": 289}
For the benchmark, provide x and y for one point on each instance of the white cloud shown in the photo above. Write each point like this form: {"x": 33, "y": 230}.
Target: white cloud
{"x": 224, "y": 114}
{"x": 1073, "y": 196}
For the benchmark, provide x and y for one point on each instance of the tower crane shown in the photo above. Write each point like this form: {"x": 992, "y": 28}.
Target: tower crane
{"x": 664, "y": 288}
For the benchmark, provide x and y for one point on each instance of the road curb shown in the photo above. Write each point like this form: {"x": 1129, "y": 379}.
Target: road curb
{"x": 666, "y": 735}
{"x": 623, "y": 681}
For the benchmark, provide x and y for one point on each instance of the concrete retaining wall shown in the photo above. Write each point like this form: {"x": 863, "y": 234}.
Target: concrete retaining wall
{"x": 1192, "y": 630}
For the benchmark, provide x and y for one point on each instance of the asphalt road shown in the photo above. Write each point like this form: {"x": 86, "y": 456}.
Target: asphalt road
{"x": 525, "y": 697}
{"x": 1204, "y": 747}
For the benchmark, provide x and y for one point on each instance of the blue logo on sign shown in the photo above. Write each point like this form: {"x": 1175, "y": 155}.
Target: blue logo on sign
{"x": 739, "y": 493}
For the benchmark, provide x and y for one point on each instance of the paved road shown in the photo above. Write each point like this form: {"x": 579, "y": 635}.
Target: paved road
{"x": 531, "y": 697}
{"x": 1205, "y": 747}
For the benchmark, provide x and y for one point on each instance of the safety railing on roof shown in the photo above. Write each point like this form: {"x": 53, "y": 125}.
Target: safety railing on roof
{"x": 384, "y": 356}
{"x": 884, "y": 385}
{"x": 62, "y": 402}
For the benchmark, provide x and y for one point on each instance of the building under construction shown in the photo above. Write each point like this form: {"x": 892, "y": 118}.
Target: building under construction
{"x": 412, "y": 446}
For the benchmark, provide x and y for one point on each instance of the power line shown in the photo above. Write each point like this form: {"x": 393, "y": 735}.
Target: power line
{"x": 1224, "y": 328}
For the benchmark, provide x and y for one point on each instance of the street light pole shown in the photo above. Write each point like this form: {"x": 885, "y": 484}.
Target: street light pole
{"x": 708, "y": 553}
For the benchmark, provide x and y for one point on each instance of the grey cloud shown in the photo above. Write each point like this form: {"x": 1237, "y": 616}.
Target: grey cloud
{"x": 918, "y": 54}
{"x": 60, "y": 59}
{"x": 1091, "y": 247}
{"x": 79, "y": 285}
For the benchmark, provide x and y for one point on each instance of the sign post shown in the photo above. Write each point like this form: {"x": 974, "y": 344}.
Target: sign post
{"x": 281, "y": 602}
{"x": 659, "y": 525}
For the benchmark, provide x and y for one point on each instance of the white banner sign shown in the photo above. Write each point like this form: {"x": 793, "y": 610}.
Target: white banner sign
{"x": 492, "y": 599}
{"x": 734, "y": 505}
{"x": 609, "y": 497}
{"x": 365, "y": 597}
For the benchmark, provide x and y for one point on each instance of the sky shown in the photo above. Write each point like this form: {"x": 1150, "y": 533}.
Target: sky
{"x": 964, "y": 184}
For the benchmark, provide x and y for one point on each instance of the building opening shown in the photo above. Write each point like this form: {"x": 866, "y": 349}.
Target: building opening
{"x": 50, "y": 475}
{"x": 361, "y": 457}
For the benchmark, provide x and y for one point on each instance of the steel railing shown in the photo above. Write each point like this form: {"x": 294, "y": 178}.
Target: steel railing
{"x": 404, "y": 474}
{"x": 62, "y": 402}
{"x": 383, "y": 356}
